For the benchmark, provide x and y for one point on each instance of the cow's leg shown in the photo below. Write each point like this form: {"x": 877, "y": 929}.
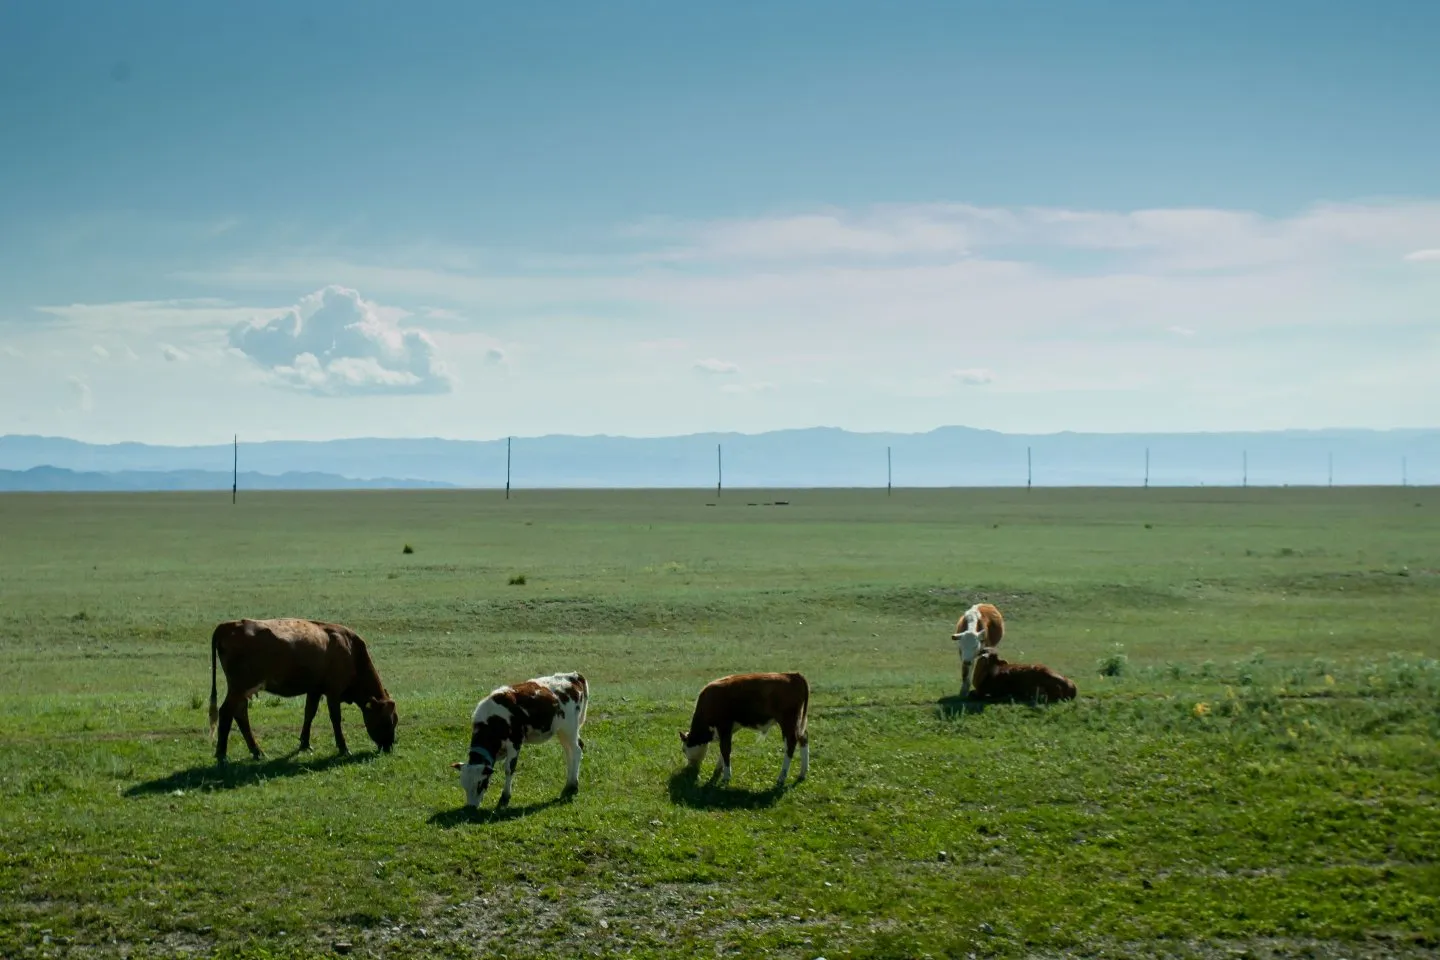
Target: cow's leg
{"x": 726, "y": 730}
{"x": 222, "y": 739}
{"x": 312, "y": 704}
{"x": 787, "y": 728}
{"x": 573, "y": 752}
{"x": 332, "y": 703}
{"x": 964, "y": 679}
{"x": 804, "y": 739}
{"x": 242, "y": 720}
{"x": 509, "y": 778}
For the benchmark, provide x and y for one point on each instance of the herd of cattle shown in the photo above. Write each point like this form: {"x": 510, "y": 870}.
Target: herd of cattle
{"x": 290, "y": 657}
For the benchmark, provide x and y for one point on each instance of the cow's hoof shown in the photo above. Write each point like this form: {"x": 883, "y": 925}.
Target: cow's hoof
{"x": 570, "y": 789}
{"x": 504, "y": 802}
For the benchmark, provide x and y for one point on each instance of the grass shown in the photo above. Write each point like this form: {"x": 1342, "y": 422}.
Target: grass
{"x": 1251, "y": 765}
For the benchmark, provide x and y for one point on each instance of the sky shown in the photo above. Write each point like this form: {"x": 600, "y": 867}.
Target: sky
{"x": 339, "y": 219}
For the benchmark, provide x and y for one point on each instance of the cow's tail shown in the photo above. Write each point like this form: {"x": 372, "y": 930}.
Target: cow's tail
{"x": 214, "y": 650}
{"x": 801, "y": 721}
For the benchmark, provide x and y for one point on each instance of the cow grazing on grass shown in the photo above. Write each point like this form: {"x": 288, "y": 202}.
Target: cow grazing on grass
{"x": 519, "y": 713}
{"x": 289, "y": 657}
{"x": 997, "y": 679}
{"x": 980, "y": 626}
{"x": 752, "y": 700}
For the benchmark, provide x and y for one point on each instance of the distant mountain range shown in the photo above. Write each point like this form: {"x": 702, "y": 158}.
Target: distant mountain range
{"x": 47, "y": 478}
{"x": 817, "y": 457}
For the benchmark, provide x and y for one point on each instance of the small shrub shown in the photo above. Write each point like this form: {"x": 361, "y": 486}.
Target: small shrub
{"x": 1149, "y": 526}
{"x": 82, "y": 615}
{"x": 408, "y": 549}
{"x": 1114, "y": 664}
{"x": 518, "y": 580}
{"x": 1175, "y": 670}
{"x": 196, "y": 701}
{"x": 1286, "y": 552}
{"x": 1207, "y": 669}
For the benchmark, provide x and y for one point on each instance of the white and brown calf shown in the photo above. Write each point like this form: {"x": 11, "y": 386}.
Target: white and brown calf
{"x": 530, "y": 712}
{"x": 980, "y": 626}
{"x": 752, "y": 700}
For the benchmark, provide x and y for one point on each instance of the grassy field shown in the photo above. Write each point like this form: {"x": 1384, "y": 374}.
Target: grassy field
{"x": 1251, "y": 766}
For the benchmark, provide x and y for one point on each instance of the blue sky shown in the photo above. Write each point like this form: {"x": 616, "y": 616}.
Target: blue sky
{"x": 363, "y": 218}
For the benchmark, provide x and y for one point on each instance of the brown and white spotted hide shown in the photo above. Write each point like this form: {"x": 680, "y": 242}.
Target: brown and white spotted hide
{"x": 530, "y": 712}
{"x": 980, "y": 627}
{"x": 997, "y": 679}
{"x": 752, "y": 700}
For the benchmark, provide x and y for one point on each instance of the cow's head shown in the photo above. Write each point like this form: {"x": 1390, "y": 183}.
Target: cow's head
{"x": 968, "y": 642}
{"x": 694, "y": 747}
{"x": 986, "y": 664}
{"x": 475, "y": 775}
{"x": 381, "y": 719}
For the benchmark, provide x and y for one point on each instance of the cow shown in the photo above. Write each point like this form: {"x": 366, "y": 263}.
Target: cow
{"x": 289, "y": 657}
{"x": 519, "y": 713}
{"x": 997, "y": 679}
{"x": 979, "y": 626}
{"x": 755, "y": 701}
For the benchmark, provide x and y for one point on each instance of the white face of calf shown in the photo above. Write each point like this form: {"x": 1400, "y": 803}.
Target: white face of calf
{"x": 695, "y": 754}
{"x": 474, "y": 779}
{"x": 969, "y": 644}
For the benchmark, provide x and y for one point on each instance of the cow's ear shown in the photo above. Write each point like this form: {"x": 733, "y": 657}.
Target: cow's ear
{"x": 456, "y": 765}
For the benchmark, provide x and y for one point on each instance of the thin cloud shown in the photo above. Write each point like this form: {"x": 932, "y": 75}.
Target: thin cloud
{"x": 100, "y": 352}
{"x": 717, "y": 368}
{"x": 1181, "y": 331}
{"x": 335, "y": 343}
{"x": 974, "y": 376}
{"x": 173, "y": 354}
{"x": 1424, "y": 256}
{"x": 80, "y": 391}
{"x": 746, "y": 388}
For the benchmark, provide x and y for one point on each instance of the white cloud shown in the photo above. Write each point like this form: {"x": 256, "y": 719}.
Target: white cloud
{"x": 80, "y": 390}
{"x": 173, "y": 354}
{"x": 718, "y": 368}
{"x": 100, "y": 352}
{"x": 335, "y": 343}
{"x": 495, "y": 355}
{"x": 1181, "y": 331}
{"x": 974, "y": 376}
{"x": 1424, "y": 256}
{"x": 744, "y": 388}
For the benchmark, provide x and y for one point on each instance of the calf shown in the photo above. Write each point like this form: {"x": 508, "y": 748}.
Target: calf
{"x": 529, "y": 712}
{"x": 979, "y": 626}
{"x": 289, "y": 657}
{"x": 997, "y": 679}
{"x": 752, "y": 700}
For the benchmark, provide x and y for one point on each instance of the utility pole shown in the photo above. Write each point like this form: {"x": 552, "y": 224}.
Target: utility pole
{"x": 1404, "y": 472}
{"x": 507, "y": 467}
{"x": 719, "y": 471}
{"x": 889, "y": 472}
{"x": 1029, "y": 470}
{"x": 1147, "y": 467}
{"x": 1245, "y": 468}
{"x": 235, "y": 472}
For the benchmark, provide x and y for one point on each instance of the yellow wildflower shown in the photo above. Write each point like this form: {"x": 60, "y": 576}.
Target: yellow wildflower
{"x": 1202, "y": 709}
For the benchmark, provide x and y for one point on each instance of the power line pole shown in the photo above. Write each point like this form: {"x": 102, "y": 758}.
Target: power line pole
{"x": 889, "y": 472}
{"x": 1029, "y": 471}
{"x": 719, "y": 471}
{"x": 507, "y": 467}
{"x": 1245, "y": 468}
{"x": 1404, "y": 472}
{"x": 1147, "y": 467}
{"x": 235, "y": 472}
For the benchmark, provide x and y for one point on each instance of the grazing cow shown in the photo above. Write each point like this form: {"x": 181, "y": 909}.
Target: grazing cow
{"x": 997, "y": 679}
{"x": 752, "y": 700}
{"x": 979, "y": 626}
{"x": 289, "y": 657}
{"x": 528, "y": 712}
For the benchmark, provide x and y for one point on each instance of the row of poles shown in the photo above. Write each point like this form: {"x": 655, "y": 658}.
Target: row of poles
{"x": 889, "y": 470}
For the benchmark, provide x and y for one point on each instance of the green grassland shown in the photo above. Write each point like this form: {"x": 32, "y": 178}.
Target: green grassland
{"x": 1251, "y": 767}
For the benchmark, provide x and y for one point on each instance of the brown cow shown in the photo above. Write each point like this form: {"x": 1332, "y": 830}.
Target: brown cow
{"x": 997, "y": 679}
{"x": 289, "y": 657}
{"x": 980, "y": 627}
{"x": 755, "y": 701}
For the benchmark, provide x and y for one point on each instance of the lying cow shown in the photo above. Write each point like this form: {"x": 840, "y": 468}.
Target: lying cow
{"x": 289, "y": 657}
{"x": 529, "y": 712}
{"x": 980, "y": 626}
{"x": 755, "y": 701}
{"x": 997, "y": 679}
